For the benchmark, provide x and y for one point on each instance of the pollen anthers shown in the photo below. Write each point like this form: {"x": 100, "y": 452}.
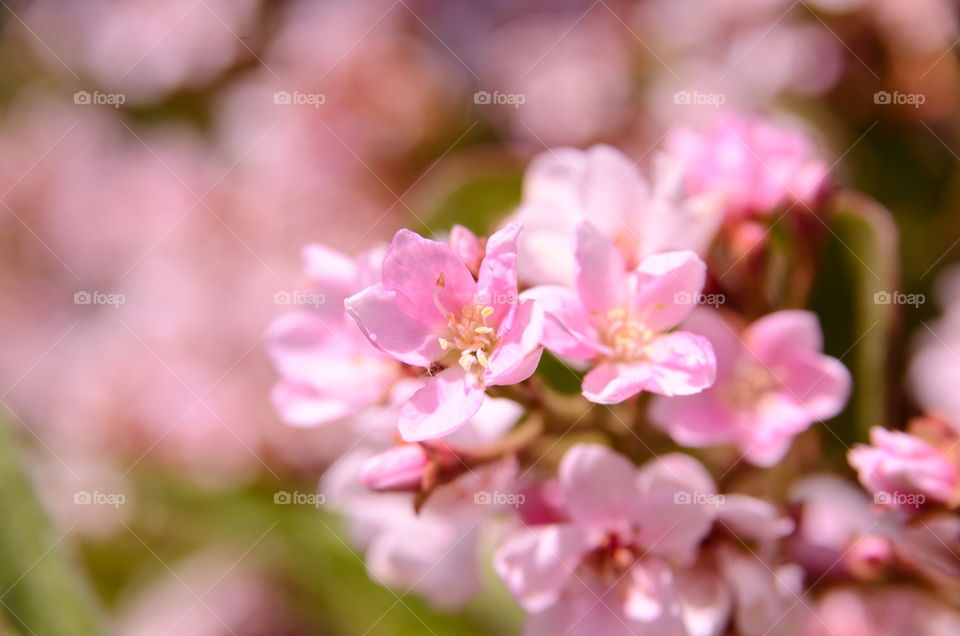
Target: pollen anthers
{"x": 627, "y": 336}
{"x": 469, "y": 334}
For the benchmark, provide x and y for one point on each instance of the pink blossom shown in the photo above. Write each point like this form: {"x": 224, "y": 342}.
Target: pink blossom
{"x": 898, "y": 464}
{"x": 772, "y": 383}
{"x": 607, "y": 569}
{"x": 617, "y": 317}
{"x": 627, "y": 558}
{"x": 328, "y": 369}
{"x": 749, "y": 167}
{"x": 564, "y": 187}
{"x": 468, "y": 333}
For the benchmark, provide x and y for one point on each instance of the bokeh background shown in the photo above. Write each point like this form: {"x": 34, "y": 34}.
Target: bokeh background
{"x": 162, "y": 162}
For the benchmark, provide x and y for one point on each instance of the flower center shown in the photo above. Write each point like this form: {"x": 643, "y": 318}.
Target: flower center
{"x": 467, "y": 334}
{"x": 626, "y": 336}
{"x": 750, "y": 383}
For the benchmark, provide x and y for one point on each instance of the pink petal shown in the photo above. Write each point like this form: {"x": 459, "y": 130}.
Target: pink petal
{"x": 610, "y": 383}
{"x": 376, "y": 311}
{"x": 652, "y": 594}
{"x": 694, "y": 420}
{"x": 681, "y": 363}
{"x": 443, "y": 405}
{"x": 600, "y": 487}
{"x": 601, "y": 272}
{"x": 668, "y": 286}
{"x": 497, "y": 283}
{"x": 333, "y": 271}
{"x": 424, "y": 272}
{"x": 678, "y": 505}
{"x": 518, "y": 351}
{"x": 299, "y": 404}
{"x": 820, "y": 384}
{"x": 723, "y": 337}
{"x": 537, "y": 562}
{"x": 782, "y": 333}
{"x": 466, "y": 246}
{"x": 567, "y": 330}
{"x": 753, "y": 519}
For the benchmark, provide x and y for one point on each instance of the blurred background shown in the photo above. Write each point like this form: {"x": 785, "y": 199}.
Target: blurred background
{"x": 162, "y": 162}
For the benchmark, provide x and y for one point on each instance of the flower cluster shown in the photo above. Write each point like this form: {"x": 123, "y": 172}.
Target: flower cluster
{"x": 673, "y": 494}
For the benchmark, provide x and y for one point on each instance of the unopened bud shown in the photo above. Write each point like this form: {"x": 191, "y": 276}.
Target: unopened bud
{"x": 869, "y": 557}
{"x": 402, "y": 468}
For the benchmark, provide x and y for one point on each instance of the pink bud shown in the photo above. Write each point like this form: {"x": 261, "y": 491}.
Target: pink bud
{"x": 869, "y": 557}
{"x": 402, "y": 468}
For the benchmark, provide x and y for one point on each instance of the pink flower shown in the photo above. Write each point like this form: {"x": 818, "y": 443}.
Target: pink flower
{"x": 749, "y": 167}
{"x": 565, "y": 186}
{"x": 607, "y": 570}
{"x": 618, "y": 317}
{"x": 328, "y": 369}
{"x": 772, "y": 383}
{"x": 899, "y": 464}
{"x": 468, "y": 333}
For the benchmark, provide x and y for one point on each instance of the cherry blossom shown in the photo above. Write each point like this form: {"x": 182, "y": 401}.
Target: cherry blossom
{"x": 619, "y": 317}
{"x": 772, "y": 383}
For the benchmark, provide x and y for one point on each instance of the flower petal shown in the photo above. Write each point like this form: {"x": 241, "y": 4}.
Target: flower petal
{"x": 782, "y": 333}
{"x": 536, "y": 563}
{"x": 566, "y": 330}
{"x": 443, "y": 405}
{"x": 376, "y": 311}
{"x": 601, "y": 272}
{"x": 423, "y": 272}
{"x": 518, "y": 351}
{"x": 497, "y": 283}
{"x": 599, "y": 486}
{"x": 682, "y": 363}
{"x": 668, "y": 288}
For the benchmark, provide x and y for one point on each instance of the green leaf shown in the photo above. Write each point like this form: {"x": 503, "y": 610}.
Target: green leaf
{"x": 40, "y": 590}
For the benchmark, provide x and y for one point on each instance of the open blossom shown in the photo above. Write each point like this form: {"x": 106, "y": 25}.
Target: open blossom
{"x": 328, "y": 370}
{"x": 618, "y": 317}
{"x": 749, "y": 167}
{"x": 773, "y": 382}
{"x": 897, "y": 464}
{"x": 566, "y": 186}
{"x": 625, "y": 560}
{"x": 429, "y": 311}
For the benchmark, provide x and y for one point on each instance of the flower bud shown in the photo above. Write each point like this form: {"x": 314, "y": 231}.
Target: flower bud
{"x": 402, "y": 468}
{"x": 869, "y": 557}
